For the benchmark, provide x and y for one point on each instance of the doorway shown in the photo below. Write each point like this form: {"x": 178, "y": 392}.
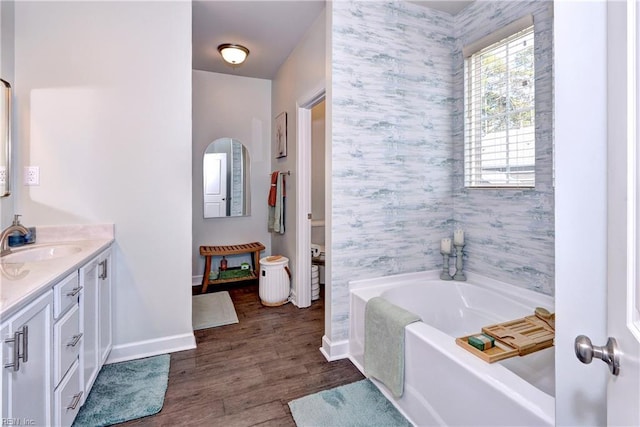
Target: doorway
{"x": 318, "y": 229}
{"x": 308, "y": 174}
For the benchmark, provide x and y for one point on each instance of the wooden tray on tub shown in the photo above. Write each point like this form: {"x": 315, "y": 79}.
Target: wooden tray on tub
{"x": 513, "y": 338}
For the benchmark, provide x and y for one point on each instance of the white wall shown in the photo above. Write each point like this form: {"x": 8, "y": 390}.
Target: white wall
{"x": 7, "y": 74}
{"x": 103, "y": 98}
{"x": 236, "y": 107}
{"x": 301, "y": 76}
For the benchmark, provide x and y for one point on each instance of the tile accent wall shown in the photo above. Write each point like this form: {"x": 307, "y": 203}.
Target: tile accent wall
{"x": 396, "y": 130}
{"x": 510, "y": 233}
{"x": 392, "y": 155}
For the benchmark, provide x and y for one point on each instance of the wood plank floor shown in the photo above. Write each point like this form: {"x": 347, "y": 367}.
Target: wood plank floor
{"x": 245, "y": 374}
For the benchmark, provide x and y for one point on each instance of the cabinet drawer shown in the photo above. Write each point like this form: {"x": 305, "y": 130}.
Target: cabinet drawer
{"x": 68, "y": 398}
{"x": 65, "y": 294}
{"x": 66, "y": 343}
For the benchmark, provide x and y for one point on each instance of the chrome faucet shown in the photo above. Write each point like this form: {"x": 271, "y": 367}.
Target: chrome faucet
{"x": 4, "y": 237}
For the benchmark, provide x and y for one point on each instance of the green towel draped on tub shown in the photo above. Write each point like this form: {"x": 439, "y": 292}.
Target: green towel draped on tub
{"x": 384, "y": 342}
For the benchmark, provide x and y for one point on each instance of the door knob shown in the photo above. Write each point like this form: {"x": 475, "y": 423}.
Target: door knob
{"x": 609, "y": 354}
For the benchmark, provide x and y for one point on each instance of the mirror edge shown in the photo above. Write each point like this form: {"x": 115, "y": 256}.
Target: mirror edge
{"x": 7, "y": 138}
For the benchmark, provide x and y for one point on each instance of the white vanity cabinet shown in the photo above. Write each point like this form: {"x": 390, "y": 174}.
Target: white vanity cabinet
{"x": 26, "y": 364}
{"x": 53, "y": 346}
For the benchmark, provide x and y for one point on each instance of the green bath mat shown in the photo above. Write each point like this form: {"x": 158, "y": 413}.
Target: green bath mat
{"x": 126, "y": 391}
{"x": 234, "y": 274}
{"x": 355, "y": 404}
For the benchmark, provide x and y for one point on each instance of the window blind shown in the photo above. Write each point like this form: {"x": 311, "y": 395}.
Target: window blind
{"x": 500, "y": 113}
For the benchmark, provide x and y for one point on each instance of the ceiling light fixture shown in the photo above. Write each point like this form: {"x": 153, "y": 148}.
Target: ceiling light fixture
{"x": 234, "y": 54}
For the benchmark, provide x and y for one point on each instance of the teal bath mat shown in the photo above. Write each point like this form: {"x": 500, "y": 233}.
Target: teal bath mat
{"x": 356, "y": 404}
{"x": 234, "y": 274}
{"x": 126, "y": 391}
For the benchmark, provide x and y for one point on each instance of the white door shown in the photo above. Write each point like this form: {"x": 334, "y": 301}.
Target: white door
{"x": 595, "y": 229}
{"x": 105, "y": 321}
{"x": 623, "y": 302}
{"x": 89, "y": 309}
{"x": 215, "y": 184}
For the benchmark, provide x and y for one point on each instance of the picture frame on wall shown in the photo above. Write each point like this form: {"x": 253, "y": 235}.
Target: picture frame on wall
{"x": 281, "y": 135}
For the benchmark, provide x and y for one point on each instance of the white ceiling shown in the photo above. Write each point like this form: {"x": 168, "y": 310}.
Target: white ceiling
{"x": 269, "y": 29}
{"x": 450, "y": 6}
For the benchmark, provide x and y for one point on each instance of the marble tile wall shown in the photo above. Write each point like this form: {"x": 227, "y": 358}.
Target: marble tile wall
{"x": 392, "y": 155}
{"x": 397, "y": 176}
{"x": 510, "y": 233}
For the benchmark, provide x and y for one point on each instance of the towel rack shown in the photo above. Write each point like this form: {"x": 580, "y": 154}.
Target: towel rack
{"x": 284, "y": 173}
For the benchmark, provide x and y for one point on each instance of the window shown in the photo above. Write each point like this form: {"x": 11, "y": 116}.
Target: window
{"x": 499, "y": 149}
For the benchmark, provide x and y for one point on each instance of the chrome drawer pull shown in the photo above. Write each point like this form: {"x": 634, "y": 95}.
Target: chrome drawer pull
{"x": 103, "y": 273}
{"x": 75, "y": 401}
{"x": 74, "y": 291}
{"x": 16, "y": 352}
{"x": 75, "y": 340}
{"x": 25, "y": 343}
{"x": 15, "y": 365}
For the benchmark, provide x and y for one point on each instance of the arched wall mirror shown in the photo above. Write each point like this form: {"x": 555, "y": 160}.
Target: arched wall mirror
{"x": 5, "y": 139}
{"x": 226, "y": 179}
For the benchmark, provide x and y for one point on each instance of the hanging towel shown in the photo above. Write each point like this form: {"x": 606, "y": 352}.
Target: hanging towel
{"x": 384, "y": 342}
{"x": 272, "y": 189}
{"x": 276, "y": 211}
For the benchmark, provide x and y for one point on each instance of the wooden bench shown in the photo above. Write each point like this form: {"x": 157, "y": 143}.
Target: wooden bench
{"x": 211, "y": 251}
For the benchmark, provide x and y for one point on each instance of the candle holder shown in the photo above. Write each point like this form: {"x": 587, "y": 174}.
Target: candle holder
{"x": 444, "y": 275}
{"x": 459, "y": 274}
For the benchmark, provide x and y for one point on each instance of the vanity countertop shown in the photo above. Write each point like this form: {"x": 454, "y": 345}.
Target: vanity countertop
{"x": 21, "y": 283}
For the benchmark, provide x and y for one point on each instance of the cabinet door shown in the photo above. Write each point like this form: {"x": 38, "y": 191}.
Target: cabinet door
{"x": 105, "y": 322}
{"x": 26, "y": 391}
{"x": 67, "y": 397}
{"x": 89, "y": 365}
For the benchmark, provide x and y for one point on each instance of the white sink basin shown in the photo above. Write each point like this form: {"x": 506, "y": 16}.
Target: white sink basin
{"x": 40, "y": 253}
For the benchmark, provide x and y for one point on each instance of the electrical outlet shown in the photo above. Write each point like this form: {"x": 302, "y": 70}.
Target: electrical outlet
{"x": 31, "y": 175}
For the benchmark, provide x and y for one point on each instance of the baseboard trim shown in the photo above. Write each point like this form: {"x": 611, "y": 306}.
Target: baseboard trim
{"x": 334, "y": 351}
{"x": 140, "y": 349}
{"x": 196, "y": 280}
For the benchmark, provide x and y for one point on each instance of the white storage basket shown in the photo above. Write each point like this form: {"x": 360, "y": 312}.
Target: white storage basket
{"x": 275, "y": 280}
